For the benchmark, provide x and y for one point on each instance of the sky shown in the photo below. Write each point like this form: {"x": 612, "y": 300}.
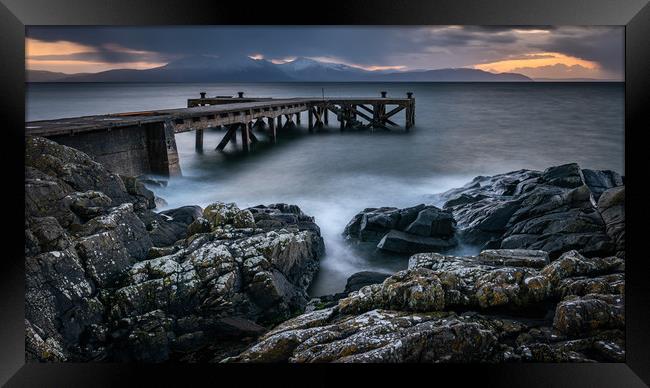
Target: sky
{"x": 535, "y": 51}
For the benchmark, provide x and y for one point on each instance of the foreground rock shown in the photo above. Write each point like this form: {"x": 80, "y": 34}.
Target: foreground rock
{"x": 108, "y": 279}
{"x": 553, "y": 210}
{"x": 410, "y": 316}
{"x": 416, "y": 229}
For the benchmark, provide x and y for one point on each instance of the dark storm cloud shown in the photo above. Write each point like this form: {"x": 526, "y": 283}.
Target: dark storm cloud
{"x": 604, "y": 45}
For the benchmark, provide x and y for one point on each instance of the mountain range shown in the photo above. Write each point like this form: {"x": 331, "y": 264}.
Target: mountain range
{"x": 203, "y": 68}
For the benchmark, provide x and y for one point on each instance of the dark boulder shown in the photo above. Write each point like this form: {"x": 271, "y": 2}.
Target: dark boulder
{"x": 402, "y": 242}
{"x": 419, "y": 228}
{"x": 600, "y": 181}
{"x": 611, "y": 206}
{"x": 362, "y": 279}
{"x": 169, "y": 226}
{"x": 553, "y": 210}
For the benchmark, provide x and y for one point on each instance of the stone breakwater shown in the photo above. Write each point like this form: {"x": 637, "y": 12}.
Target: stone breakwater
{"x": 109, "y": 279}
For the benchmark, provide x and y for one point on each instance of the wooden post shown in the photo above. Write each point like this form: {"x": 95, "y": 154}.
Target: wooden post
{"x": 198, "y": 146}
{"x": 375, "y": 115}
{"x": 310, "y": 119}
{"x": 325, "y": 116}
{"x": 245, "y": 128}
{"x": 298, "y": 118}
{"x": 272, "y": 134}
{"x": 342, "y": 117}
{"x": 280, "y": 122}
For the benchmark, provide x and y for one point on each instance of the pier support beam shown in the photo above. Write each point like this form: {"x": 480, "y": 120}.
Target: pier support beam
{"x": 162, "y": 151}
{"x": 245, "y": 136}
{"x": 231, "y": 135}
{"x": 298, "y": 118}
{"x": 325, "y": 116}
{"x": 310, "y": 119}
{"x": 198, "y": 146}
{"x": 280, "y": 122}
{"x": 272, "y": 133}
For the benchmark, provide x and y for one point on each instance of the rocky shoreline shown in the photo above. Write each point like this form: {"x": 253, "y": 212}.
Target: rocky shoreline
{"x": 110, "y": 279}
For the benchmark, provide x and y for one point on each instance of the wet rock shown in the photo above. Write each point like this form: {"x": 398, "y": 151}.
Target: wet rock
{"x": 124, "y": 226}
{"x": 59, "y": 301}
{"x": 583, "y": 285}
{"x": 144, "y": 198}
{"x": 611, "y": 206}
{"x": 169, "y": 226}
{"x": 573, "y": 264}
{"x": 402, "y": 242}
{"x": 48, "y": 234}
{"x": 431, "y": 222}
{"x": 553, "y": 210}
{"x": 282, "y": 216}
{"x": 576, "y": 316}
{"x": 379, "y": 322}
{"x": 73, "y": 168}
{"x": 600, "y": 181}
{"x": 416, "y": 229}
{"x": 362, "y": 279}
{"x": 200, "y": 225}
{"x": 39, "y": 349}
{"x": 88, "y": 204}
{"x": 220, "y": 214}
{"x": 105, "y": 257}
{"x": 515, "y": 257}
{"x": 379, "y": 336}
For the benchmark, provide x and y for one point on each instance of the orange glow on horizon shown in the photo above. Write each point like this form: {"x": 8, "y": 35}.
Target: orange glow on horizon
{"x": 535, "y": 60}
{"x": 36, "y": 48}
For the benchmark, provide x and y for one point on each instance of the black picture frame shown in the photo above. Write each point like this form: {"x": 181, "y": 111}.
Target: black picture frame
{"x": 633, "y": 14}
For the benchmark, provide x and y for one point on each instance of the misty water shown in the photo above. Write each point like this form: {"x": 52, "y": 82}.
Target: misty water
{"x": 462, "y": 130}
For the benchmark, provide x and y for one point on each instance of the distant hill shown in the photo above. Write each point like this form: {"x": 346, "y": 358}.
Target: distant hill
{"x": 454, "y": 75}
{"x": 203, "y": 68}
{"x": 47, "y": 76}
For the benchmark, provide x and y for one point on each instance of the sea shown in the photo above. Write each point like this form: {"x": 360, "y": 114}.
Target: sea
{"x": 461, "y": 130}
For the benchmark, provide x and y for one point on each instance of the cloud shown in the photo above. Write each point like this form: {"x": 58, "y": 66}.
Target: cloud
{"x": 417, "y": 47}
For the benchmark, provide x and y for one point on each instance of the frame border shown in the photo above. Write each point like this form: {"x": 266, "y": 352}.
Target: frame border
{"x": 634, "y": 14}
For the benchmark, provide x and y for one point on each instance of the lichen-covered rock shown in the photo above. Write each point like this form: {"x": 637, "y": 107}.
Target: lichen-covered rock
{"x": 60, "y": 303}
{"x": 407, "y": 317}
{"x": 73, "y": 169}
{"x": 281, "y": 215}
{"x": 581, "y": 315}
{"x": 245, "y": 274}
{"x": 220, "y": 214}
{"x": 553, "y": 210}
{"x": 377, "y": 336}
{"x": 88, "y": 204}
{"x": 144, "y": 198}
{"x": 125, "y": 227}
{"x": 435, "y": 282}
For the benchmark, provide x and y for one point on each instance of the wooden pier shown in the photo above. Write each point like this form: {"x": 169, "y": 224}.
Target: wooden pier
{"x": 143, "y": 142}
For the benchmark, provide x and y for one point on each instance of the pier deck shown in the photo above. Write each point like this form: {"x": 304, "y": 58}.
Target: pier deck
{"x": 154, "y": 130}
